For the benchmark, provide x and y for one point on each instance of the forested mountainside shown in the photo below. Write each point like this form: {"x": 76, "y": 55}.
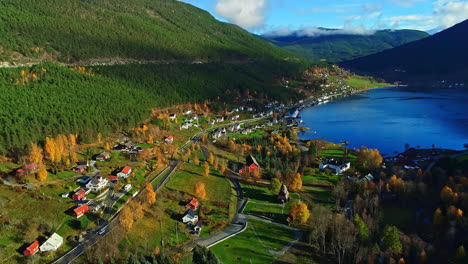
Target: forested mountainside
{"x": 339, "y": 47}
{"x": 439, "y": 57}
{"x": 75, "y": 30}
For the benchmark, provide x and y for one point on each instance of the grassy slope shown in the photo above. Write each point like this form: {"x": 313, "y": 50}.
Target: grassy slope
{"x": 251, "y": 246}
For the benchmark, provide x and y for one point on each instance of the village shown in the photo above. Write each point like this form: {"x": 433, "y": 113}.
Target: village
{"x": 212, "y": 172}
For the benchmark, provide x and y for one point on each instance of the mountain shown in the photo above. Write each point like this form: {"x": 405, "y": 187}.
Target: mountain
{"x": 441, "y": 56}
{"x": 80, "y": 30}
{"x": 100, "y": 66}
{"x": 335, "y": 47}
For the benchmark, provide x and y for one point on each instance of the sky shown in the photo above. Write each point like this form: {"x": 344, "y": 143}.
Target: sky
{"x": 281, "y": 17}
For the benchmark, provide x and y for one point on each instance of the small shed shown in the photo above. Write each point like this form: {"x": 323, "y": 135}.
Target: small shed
{"x": 80, "y": 211}
{"x": 79, "y": 195}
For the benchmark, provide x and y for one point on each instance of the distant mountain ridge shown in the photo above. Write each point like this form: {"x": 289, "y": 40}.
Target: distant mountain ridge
{"x": 442, "y": 56}
{"x": 342, "y": 46}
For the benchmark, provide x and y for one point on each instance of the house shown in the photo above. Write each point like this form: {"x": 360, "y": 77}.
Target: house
{"x": 103, "y": 156}
{"x": 127, "y": 187}
{"x": 219, "y": 119}
{"x": 79, "y": 195}
{"x": 283, "y": 196}
{"x": 125, "y": 172}
{"x": 187, "y": 112}
{"x": 169, "y": 139}
{"x": 28, "y": 168}
{"x": 198, "y": 227}
{"x": 251, "y": 165}
{"x": 83, "y": 180}
{"x": 172, "y": 117}
{"x": 97, "y": 183}
{"x": 79, "y": 211}
{"x": 52, "y": 244}
{"x": 80, "y": 168}
{"x": 367, "y": 178}
{"x": 334, "y": 165}
{"x": 211, "y": 122}
{"x": 83, "y": 163}
{"x": 193, "y": 204}
{"x": 32, "y": 249}
{"x": 65, "y": 194}
{"x": 190, "y": 217}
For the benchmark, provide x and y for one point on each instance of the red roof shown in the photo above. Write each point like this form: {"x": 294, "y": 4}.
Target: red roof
{"x": 193, "y": 204}
{"x": 31, "y": 249}
{"x": 31, "y": 166}
{"x": 170, "y": 137}
{"x": 79, "y": 194}
{"x": 113, "y": 177}
{"x": 79, "y": 211}
{"x": 126, "y": 169}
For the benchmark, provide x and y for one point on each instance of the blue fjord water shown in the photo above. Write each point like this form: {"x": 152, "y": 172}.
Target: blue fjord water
{"x": 388, "y": 118}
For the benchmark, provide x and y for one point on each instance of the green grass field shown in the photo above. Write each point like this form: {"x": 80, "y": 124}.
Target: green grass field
{"x": 338, "y": 154}
{"x": 317, "y": 177}
{"x": 317, "y": 196}
{"x": 360, "y": 82}
{"x": 253, "y": 245}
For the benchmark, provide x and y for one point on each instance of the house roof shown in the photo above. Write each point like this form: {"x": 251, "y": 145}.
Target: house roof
{"x": 251, "y": 160}
{"x": 126, "y": 169}
{"x": 79, "y": 209}
{"x": 30, "y": 166}
{"x": 54, "y": 240}
{"x": 34, "y": 245}
{"x": 80, "y": 192}
{"x": 190, "y": 213}
{"x": 170, "y": 137}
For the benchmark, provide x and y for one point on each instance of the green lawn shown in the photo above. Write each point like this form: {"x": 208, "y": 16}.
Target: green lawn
{"x": 318, "y": 177}
{"x": 338, "y": 154}
{"x": 317, "y": 196}
{"x": 360, "y": 82}
{"x": 263, "y": 202}
{"x": 252, "y": 245}
{"x": 27, "y": 213}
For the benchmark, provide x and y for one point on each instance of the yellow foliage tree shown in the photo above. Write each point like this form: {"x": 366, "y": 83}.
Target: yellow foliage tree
{"x": 299, "y": 212}
{"x": 41, "y": 172}
{"x": 369, "y": 158}
{"x": 126, "y": 218}
{"x": 50, "y": 149}
{"x": 150, "y": 194}
{"x": 296, "y": 183}
{"x": 200, "y": 190}
{"x": 446, "y": 194}
{"x": 210, "y": 158}
{"x": 206, "y": 168}
{"x": 35, "y": 155}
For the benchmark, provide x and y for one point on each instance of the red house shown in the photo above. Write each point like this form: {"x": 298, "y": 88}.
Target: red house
{"x": 169, "y": 139}
{"x": 31, "y": 249}
{"x": 193, "y": 204}
{"x": 79, "y": 195}
{"x": 250, "y": 166}
{"x": 79, "y": 211}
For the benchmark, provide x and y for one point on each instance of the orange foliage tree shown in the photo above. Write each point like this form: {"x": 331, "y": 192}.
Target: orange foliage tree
{"x": 206, "y": 168}
{"x": 149, "y": 194}
{"x": 200, "y": 190}
{"x": 299, "y": 212}
{"x": 35, "y": 155}
{"x": 41, "y": 174}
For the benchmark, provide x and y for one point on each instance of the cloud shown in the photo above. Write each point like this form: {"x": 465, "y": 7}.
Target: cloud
{"x": 322, "y": 10}
{"x": 347, "y": 29}
{"x": 406, "y": 3}
{"x": 448, "y": 13}
{"x": 445, "y": 14}
{"x": 245, "y": 13}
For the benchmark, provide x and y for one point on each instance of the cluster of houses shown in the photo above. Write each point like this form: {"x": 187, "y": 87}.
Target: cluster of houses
{"x": 127, "y": 147}
{"x": 51, "y": 244}
{"x": 191, "y": 218}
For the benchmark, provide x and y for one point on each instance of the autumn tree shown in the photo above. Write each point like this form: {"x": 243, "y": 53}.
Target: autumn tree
{"x": 149, "y": 194}
{"x": 35, "y": 154}
{"x": 321, "y": 219}
{"x": 446, "y": 194}
{"x": 296, "y": 183}
{"x": 232, "y": 145}
{"x": 50, "y": 149}
{"x": 343, "y": 237}
{"x": 196, "y": 160}
{"x": 206, "y": 168}
{"x": 126, "y": 218}
{"x": 369, "y": 158}
{"x": 210, "y": 158}
{"x": 200, "y": 190}
{"x": 438, "y": 218}
{"x": 299, "y": 212}
{"x": 41, "y": 173}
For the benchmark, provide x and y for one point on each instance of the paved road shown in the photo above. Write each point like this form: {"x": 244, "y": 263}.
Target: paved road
{"x": 93, "y": 236}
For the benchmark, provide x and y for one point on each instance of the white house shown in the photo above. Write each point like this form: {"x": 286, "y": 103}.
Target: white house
{"x": 52, "y": 244}
{"x": 187, "y": 112}
{"x": 172, "y": 117}
{"x": 335, "y": 165}
{"x": 190, "y": 218}
{"x": 220, "y": 119}
{"x": 125, "y": 172}
{"x": 97, "y": 183}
